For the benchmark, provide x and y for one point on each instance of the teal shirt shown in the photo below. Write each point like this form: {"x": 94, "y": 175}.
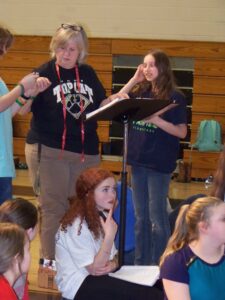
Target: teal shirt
{"x": 7, "y": 168}
{"x": 213, "y": 285}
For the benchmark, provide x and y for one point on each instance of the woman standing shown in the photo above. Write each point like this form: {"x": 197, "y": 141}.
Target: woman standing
{"x": 67, "y": 145}
{"x": 153, "y": 157}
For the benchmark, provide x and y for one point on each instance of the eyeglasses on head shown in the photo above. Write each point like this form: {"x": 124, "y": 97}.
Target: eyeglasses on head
{"x": 73, "y": 27}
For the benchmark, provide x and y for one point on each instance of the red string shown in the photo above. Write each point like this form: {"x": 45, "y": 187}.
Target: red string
{"x": 64, "y": 112}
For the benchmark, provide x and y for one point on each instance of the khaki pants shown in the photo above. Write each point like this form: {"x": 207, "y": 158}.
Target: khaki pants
{"x": 58, "y": 176}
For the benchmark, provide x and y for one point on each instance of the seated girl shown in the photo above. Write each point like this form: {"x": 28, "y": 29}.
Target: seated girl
{"x": 25, "y": 214}
{"x": 14, "y": 258}
{"x": 193, "y": 264}
{"x": 85, "y": 251}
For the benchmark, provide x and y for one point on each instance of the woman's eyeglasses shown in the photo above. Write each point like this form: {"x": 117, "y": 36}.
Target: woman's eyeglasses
{"x": 73, "y": 27}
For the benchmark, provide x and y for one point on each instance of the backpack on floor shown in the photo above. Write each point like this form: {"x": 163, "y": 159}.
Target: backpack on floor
{"x": 209, "y": 137}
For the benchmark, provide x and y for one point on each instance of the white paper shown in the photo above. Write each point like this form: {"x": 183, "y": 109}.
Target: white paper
{"x": 145, "y": 275}
{"x": 104, "y": 107}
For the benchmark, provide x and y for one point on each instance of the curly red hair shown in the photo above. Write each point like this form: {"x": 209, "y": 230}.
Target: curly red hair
{"x": 83, "y": 204}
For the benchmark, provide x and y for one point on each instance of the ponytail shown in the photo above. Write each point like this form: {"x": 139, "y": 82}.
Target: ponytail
{"x": 186, "y": 227}
{"x": 180, "y": 235}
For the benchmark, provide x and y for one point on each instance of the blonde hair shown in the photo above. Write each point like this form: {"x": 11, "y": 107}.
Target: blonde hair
{"x": 186, "y": 227}
{"x": 67, "y": 32}
{"x": 12, "y": 241}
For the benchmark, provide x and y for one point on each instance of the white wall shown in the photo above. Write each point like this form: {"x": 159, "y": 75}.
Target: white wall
{"x": 202, "y": 20}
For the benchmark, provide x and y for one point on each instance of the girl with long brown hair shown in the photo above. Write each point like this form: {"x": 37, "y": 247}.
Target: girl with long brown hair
{"x": 153, "y": 157}
{"x": 85, "y": 251}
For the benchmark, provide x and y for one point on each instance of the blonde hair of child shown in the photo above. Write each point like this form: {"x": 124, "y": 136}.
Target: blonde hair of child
{"x": 186, "y": 227}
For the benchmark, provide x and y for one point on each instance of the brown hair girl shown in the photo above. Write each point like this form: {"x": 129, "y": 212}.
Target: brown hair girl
{"x": 164, "y": 84}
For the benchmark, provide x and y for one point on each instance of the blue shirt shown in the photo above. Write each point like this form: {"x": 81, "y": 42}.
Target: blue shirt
{"x": 152, "y": 147}
{"x": 7, "y": 168}
{"x": 206, "y": 281}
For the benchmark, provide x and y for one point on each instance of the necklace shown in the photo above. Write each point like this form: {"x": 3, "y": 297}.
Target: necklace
{"x": 77, "y": 76}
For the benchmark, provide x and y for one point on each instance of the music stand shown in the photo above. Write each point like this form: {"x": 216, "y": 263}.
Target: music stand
{"x": 124, "y": 111}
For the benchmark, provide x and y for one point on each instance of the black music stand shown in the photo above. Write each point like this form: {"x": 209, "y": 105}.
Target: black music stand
{"x": 125, "y": 110}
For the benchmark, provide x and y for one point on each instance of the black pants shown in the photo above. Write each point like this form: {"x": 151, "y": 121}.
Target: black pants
{"x": 109, "y": 288}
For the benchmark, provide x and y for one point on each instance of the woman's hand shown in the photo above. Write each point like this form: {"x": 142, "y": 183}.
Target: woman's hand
{"x": 114, "y": 97}
{"x": 42, "y": 83}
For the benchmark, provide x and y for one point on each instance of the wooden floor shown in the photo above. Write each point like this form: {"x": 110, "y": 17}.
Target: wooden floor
{"x": 22, "y": 188}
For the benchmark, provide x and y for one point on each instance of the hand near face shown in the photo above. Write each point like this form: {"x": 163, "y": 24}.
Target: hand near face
{"x": 109, "y": 226}
{"x": 139, "y": 75}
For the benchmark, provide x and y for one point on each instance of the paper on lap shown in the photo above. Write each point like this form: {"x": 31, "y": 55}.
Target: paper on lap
{"x": 145, "y": 275}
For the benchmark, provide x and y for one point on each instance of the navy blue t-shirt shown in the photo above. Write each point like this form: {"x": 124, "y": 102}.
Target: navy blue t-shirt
{"x": 47, "y": 123}
{"x": 151, "y": 147}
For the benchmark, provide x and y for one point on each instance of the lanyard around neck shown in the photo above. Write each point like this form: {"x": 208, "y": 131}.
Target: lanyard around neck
{"x": 64, "y": 110}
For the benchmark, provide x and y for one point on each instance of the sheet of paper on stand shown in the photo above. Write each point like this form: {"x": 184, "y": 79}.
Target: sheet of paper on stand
{"x": 135, "y": 109}
{"x": 145, "y": 275}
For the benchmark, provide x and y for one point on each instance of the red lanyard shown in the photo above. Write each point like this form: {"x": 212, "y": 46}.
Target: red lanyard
{"x": 64, "y": 110}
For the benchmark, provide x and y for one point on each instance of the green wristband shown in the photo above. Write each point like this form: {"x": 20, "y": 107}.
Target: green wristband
{"x": 22, "y": 89}
{"x": 19, "y": 103}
